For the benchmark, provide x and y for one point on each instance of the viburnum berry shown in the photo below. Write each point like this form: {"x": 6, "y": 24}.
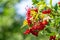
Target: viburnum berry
{"x": 28, "y": 20}
{"x": 35, "y": 33}
{"x": 46, "y": 11}
{"x": 45, "y": 22}
{"x": 34, "y": 27}
{"x": 39, "y": 27}
{"x": 42, "y": 26}
{"x": 28, "y": 12}
{"x": 36, "y": 10}
{"x": 58, "y": 3}
{"x": 27, "y": 31}
{"x": 53, "y": 37}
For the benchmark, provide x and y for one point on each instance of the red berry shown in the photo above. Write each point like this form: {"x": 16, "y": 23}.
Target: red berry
{"x": 44, "y": 11}
{"x": 52, "y": 37}
{"x": 45, "y": 22}
{"x": 59, "y": 3}
{"x": 34, "y": 27}
{"x": 35, "y": 33}
{"x": 35, "y": 9}
{"x": 38, "y": 27}
{"x": 28, "y": 12}
{"x": 27, "y": 31}
{"x": 28, "y": 20}
{"x": 42, "y": 26}
{"x": 34, "y": 30}
{"x": 48, "y": 11}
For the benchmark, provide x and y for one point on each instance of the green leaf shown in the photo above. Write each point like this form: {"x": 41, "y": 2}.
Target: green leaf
{"x": 34, "y": 1}
{"x": 48, "y": 30}
{"x": 51, "y": 3}
{"x": 56, "y": 7}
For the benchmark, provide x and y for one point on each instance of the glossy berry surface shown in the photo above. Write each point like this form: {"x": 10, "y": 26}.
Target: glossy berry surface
{"x": 36, "y": 10}
{"x": 27, "y": 31}
{"x": 45, "y": 22}
{"x": 53, "y": 37}
{"x": 58, "y": 3}
{"x": 48, "y": 11}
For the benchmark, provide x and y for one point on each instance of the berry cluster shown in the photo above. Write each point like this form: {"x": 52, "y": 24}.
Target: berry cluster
{"x": 36, "y": 28}
{"x": 58, "y": 3}
{"x": 53, "y": 37}
{"x": 35, "y": 25}
{"x": 46, "y": 11}
{"x": 43, "y": 17}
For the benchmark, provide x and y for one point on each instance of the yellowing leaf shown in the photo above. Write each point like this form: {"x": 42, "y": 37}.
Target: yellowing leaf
{"x": 25, "y": 22}
{"x": 42, "y": 15}
{"x": 33, "y": 13}
{"x": 36, "y": 16}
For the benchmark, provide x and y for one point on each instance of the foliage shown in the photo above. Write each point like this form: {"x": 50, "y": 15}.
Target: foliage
{"x": 12, "y": 28}
{"x": 9, "y": 21}
{"x": 41, "y": 12}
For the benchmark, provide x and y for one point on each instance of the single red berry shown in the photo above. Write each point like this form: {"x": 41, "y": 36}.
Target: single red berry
{"x": 34, "y": 30}
{"x": 28, "y": 12}
{"x": 42, "y": 26}
{"x": 53, "y": 37}
{"x": 27, "y": 31}
{"x": 35, "y": 33}
{"x": 45, "y": 22}
{"x": 28, "y": 20}
{"x": 58, "y": 3}
{"x": 34, "y": 27}
{"x": 48, "y": 11}
{"x": 44, "y": 12}
{"x": 38, "y": 27}
{"x": 35, "y": 9}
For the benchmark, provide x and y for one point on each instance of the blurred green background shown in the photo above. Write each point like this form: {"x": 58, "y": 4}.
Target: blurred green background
{"x": 11, "y": 22}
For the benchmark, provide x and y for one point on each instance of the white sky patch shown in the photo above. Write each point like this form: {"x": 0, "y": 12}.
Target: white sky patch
{"x": 20, "y": 7}
{"x": 53, "y": 2}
